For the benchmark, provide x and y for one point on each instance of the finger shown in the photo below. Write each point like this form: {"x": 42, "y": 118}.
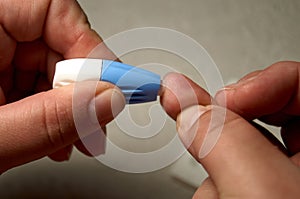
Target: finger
{"x": 179, "y": 92}
{"x": 24, "y": 20}
{"x": 207, "y": 190}
{"x": 62, "y": 24}
{"x": 31, "y": 56}
{"x": 32, "y": 61}
{"x": 46, "y": 122}
{"x": 67, "y": 21}
{"x": 265, "y": 93}
{"x": 239, "y": 155}
{"x": 92, "y": 145}
{"x": 63, "y": 154}
{"x": 7, "y": 48}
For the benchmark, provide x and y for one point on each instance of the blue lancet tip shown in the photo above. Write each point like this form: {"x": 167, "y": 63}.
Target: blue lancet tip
{"x": 138, "y": 85}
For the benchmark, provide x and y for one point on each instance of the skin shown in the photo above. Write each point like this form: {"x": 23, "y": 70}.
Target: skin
{"x": 244, "y": 163}
{"x": 35, "y": 122}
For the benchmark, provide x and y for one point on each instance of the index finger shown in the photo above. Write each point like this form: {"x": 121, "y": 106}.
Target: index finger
{"x": 272, "y": 93}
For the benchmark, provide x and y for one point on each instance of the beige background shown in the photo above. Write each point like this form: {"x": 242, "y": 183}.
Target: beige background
{"x": 241, "y": 36}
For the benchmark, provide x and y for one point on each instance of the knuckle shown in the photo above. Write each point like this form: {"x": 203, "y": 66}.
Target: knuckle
{"x": 57, "y": 121}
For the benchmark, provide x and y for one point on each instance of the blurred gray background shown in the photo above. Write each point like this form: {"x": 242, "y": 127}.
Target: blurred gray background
{"x": 240, "y": 36}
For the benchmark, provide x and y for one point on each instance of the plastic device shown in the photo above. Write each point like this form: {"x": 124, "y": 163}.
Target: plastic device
{"x": 137, "y": 85}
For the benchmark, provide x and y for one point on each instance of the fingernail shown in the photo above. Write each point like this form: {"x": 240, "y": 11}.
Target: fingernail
{"x": 250, "y": 77}
{"x": 221, "y": 95}
{"x": 181, "y": 88}
{"x": 245, "y": 80}
{"x": 106, "y": 106}
{"x": 187, "y": 123}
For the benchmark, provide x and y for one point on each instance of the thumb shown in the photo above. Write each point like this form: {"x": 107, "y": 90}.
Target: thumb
{"x": 239, "y": 159}
{"x": 44, "y": 123}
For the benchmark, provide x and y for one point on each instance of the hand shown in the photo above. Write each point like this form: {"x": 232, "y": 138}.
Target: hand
{"x": 243, "y": 163}
{"x": 34, "y": 36}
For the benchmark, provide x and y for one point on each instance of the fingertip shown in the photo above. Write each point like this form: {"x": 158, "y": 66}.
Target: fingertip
{"x": 220, "y": 98}
{"x": 179, "y": 92}
{"x": 95, "y": 104}
{"x": 107, "y": 105}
